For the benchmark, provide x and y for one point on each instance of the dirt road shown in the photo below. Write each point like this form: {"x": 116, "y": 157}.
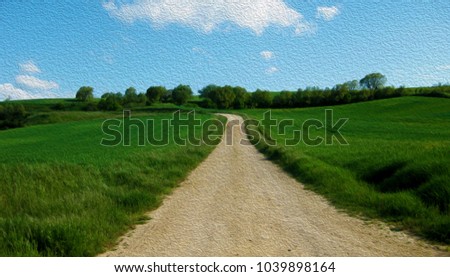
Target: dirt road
{"x": 237, "y": 203}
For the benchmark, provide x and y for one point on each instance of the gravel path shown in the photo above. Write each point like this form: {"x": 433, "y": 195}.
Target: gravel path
{"x": 237, "y": 203}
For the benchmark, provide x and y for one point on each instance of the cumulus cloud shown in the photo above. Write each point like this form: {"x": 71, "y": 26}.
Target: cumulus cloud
{"x": 271, "y": 70}
{"x": 29, "y": 67}
{"x": 267, "y": 55}
{"x": 327, "y": 13}
{"x": 35, "y": 83}
{"x": 9, "y": 91}
{"x": 28, "y": 86}
{"x": 207, "y": 15}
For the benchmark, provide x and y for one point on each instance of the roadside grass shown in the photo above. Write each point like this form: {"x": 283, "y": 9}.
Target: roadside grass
{"x": 63, "y": 194}
{"x": 396, "y": 166}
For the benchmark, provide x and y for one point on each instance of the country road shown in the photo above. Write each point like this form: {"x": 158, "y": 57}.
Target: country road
{"x": 237, "y": 203}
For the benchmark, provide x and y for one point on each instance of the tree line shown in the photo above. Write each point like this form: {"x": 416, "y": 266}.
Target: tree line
{"x": 111, "y": 101}
{"x": 371, "y": 87}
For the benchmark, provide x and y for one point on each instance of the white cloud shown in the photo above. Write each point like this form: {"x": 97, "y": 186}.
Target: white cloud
{"x": 29, "y": 67}
{"x": 443, "y": 67}
{"x": 327, "y": 13}
{"x": 206, "y": 15}
{"x": 272, "y": 70}
{"x": 35, "y": 83}
{"x": 199, "y": 50}
{"x": 267, "y": 55}
{"x": 305, "y": 28}
{"x": 8, "y": 90}
{"x": 35, "y": 87}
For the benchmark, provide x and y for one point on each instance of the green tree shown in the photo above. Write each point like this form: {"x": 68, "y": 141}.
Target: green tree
{"x": 364, "y": 95}
{"x": 85, "y": 94}
{"x": 261, "y": 99}
{"x": 167, "y": 97}
{"x": 223, "y": 97}
{"x": 110, "y": 102}
{"x": 340, "y": 94}
{"x": 155, "y": 93}
{"x": 373, "y": 81}
{"x": 242, "y": 98}
{"x": 300, "y": 98}
{"x": 181, "y": 94}
{"x": 130, "y": 96}
{"x": 208, "y": 91}
{"x": 130, "y": 91}
{"x": 284, "y": 100}
{"x": 142, "y": 98}
{"x": 352, "y": 85}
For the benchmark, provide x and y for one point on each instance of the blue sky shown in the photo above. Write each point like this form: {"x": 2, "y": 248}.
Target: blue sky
{"x": 51, "y": 48}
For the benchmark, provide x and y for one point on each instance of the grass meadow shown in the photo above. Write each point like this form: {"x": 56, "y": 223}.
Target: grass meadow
{"x": 396, "y": 165}
{"x": 63, "y": 194}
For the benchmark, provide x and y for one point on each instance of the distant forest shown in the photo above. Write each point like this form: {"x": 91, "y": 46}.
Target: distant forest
{"x": 371, "y": 87}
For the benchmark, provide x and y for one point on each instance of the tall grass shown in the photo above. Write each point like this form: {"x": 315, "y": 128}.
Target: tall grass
{"x": 63, "y": 194}
{"x": 396, "y": 166}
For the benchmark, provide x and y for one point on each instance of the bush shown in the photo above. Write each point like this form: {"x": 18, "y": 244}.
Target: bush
{"x": 12, "y": 116}
{"x": 59, "y": 106}
{"x": 208, "y": 104}
{"x": 89, "y": 107}
{"x": 110, "y": 102}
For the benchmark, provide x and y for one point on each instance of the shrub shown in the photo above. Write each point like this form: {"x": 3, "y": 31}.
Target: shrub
{"x": 60, "y": 106}
{"x": 89, "y": 107}
{"x": 12, "y": 116}
{"x": 110, "y": 102}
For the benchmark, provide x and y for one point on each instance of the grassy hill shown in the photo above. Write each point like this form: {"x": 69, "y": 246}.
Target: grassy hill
{"x": 63, "y": 194}
{"x": 396, "y": 165}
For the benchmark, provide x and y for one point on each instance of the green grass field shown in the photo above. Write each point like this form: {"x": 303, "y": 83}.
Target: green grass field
{"x": 63, "y": 194}
{"x": 396, "y": 166}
